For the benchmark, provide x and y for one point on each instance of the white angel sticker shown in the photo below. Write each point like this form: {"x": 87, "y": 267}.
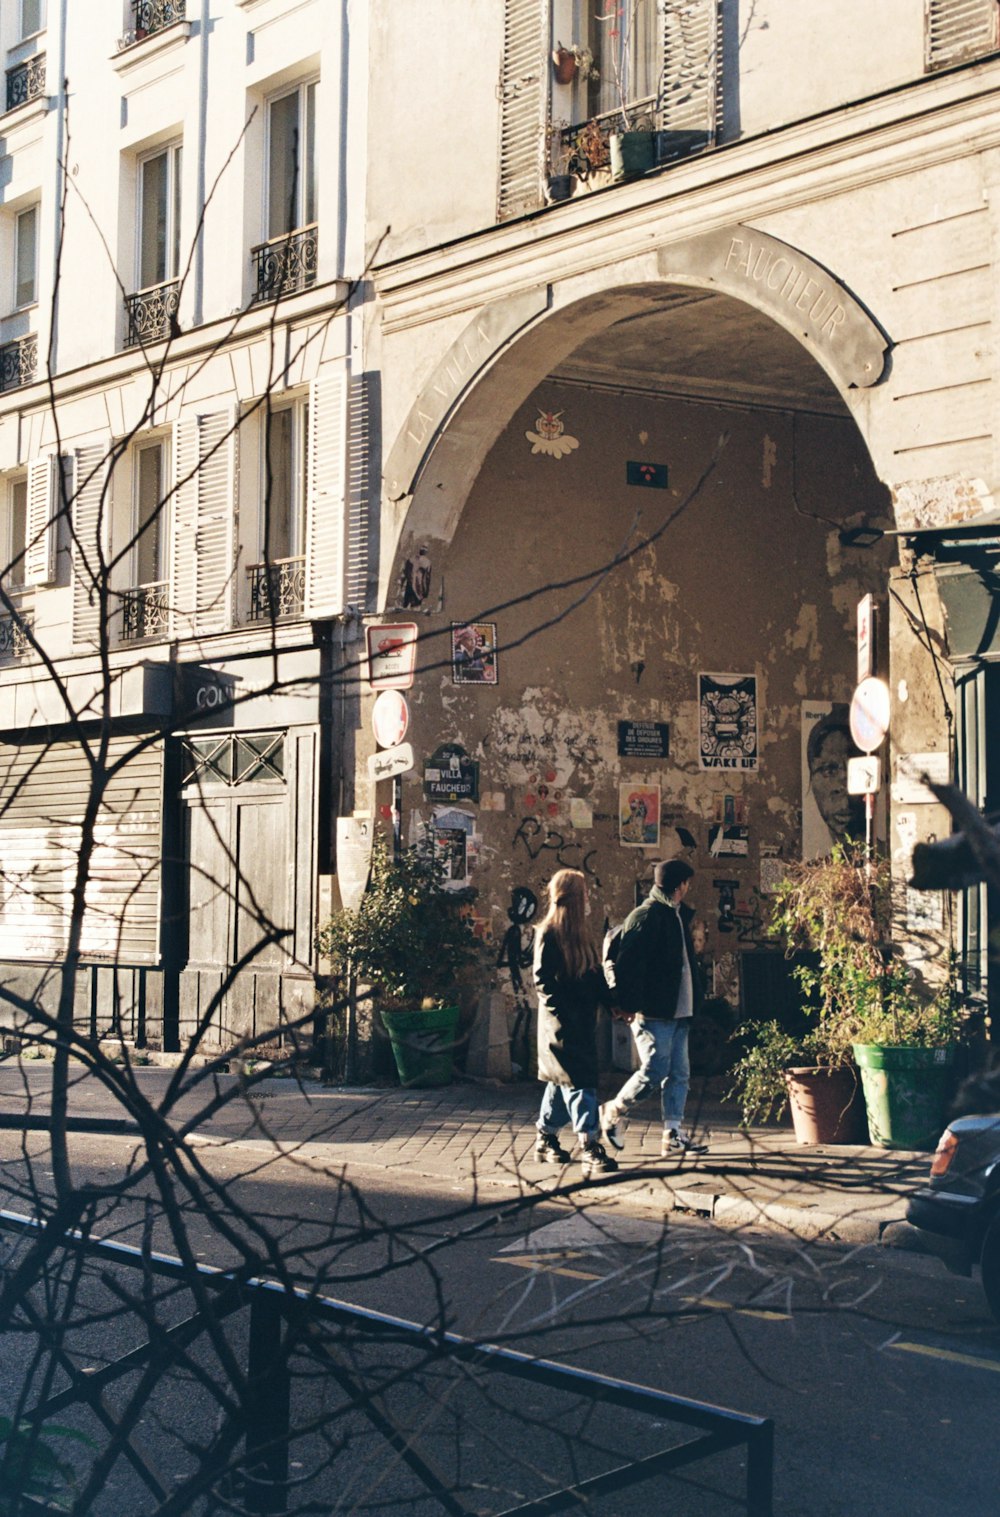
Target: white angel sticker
{"x": 550, "y": 436}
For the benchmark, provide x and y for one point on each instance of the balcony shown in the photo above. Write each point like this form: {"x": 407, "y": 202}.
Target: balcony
{"x": 285, "y": 264}
{"x": 151, "y": 16}
{"x": 145, "y": 612}
{"x": 15, "y": 640}
{"x": 277, "y": 589}
{"x": 26, "y": 81}
{"x": 18, "y": 362}
{"x": 151, "y": 314}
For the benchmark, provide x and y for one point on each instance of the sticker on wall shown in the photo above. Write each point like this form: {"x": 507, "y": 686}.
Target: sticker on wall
{"x": 727, "y": 904}
{"x": 727, "y": 719}
{"x": 643, "y": 740}
{"x": 728, "y": 842}
{"x": 451, "y": 775}
{"x": 550, "y": 436}
{"x": 650, "y": 476}
{"x": 415, "y": 579}
{"x": 829, "y": 814}
{"x": 772, "y": 873}
{"x": 639, "y": 815}
{"x": 455, "y": 844}
{"x": 473, "y": 653}
{"x": 731, "y": 810}
{"x": 581, "y": 812}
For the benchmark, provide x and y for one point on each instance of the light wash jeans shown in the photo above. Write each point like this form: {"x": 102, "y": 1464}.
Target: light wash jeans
{"x": 663, "y": 1055}
{"x": 562, "y": 1104}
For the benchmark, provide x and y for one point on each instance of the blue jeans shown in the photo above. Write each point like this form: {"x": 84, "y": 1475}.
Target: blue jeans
{"x": 663, "y": 1055}
{"x": 562, "y": 1104}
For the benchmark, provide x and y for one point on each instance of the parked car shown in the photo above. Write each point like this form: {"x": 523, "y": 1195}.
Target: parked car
{"x": 958, "y": 1212}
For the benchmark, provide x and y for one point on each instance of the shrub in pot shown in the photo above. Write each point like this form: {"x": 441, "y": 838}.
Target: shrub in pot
{"x": 411, "y": 941}
{"x": 779, "y": 1070}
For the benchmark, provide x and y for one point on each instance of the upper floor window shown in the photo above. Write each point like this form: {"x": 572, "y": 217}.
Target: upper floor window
{"x": 14, "y": 532}
{"x": 145, "y": 605}
{"x": 32, "y": 17}
{"x": 152, "y": 310}
{"x": 277, "y": 584}
{"x": 291, "y": 168}
{"x": 624, "y": 38}
{"x": 26, "y": 258}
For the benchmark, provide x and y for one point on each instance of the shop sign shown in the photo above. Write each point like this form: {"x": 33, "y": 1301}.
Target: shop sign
{"x": 643, "y": 740}
{"x": 389, "y": 762}
{"x": 392, "y": 653}
{"x": 451, "y": 775}
{"x": 205, "y": 695}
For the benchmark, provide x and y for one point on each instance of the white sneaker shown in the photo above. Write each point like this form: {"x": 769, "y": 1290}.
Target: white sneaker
{"x": 613, "y": 1125}
{"x": 677, "y": 1141}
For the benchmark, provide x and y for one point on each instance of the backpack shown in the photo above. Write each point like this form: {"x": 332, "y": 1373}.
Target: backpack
{"x": 609, "y": 952}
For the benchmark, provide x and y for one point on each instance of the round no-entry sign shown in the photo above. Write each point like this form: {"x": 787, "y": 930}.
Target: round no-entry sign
{"x": 870, "y": 714}
{"x": 390, "y": 718}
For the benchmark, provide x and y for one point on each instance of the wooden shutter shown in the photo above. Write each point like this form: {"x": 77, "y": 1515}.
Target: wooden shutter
{"x": 325, "y": 489}
{"x": 957, "y": 30}
{"x": 43, "y": 521}
{"x": 524, "y": 95}
{"x": 362, "y": 488}
{"x": 214, "y": 536}
{"x": 184, "y": 525}
{"x": 689, "y": 84}
{"x": 91, "y": 510}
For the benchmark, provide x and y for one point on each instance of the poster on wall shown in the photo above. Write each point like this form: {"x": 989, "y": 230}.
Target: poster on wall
{"x": 639, "y": 815}
{"x": 727, "y": 721}
{"x": 474, "y": 653}
{"x": 829, "y": 814}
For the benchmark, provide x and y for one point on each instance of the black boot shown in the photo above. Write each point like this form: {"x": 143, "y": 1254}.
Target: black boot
{"x": 548, "y": 1149}
{"x": 595, "y": 1159}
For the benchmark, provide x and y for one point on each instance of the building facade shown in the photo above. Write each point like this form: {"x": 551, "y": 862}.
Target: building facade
{"x": 622, "y": 349}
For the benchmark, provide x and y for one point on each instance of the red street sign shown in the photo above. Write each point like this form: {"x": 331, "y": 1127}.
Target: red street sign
{"x": 390, "y": 718}
{"x": 392, "y": 653}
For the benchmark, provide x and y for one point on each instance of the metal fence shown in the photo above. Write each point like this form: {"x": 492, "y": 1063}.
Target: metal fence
{"x": 274, "y": 1308}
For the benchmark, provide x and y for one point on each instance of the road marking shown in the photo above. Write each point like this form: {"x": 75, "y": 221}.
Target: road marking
{"x": 764, "y": 1313}
{"x": 951, "y": 1355}
{"x": 547, "y": 1264}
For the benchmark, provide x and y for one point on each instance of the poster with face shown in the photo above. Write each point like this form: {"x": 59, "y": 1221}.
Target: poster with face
{"x": 727, "y": 721}
{"x": 473, "y": 653}
{"x": 829, "y": 814}
{"x": 639, "y": 815}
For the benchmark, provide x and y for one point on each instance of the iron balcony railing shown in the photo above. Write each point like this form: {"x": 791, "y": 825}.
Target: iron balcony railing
{"x": 277, "y": 588}
{"x": 25, "y": 81}
{"x": 151, "y": 314}
{"x": 145, "y": 612}
{"x": 149, "y": 16}
{"x": 15, "y": 639}
{"x": 18, "y": 362}
{"x": 285, "y": 264}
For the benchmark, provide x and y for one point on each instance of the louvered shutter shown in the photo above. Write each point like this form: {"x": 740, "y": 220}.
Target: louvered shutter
{"x": 361, "y": 488}
{"x": 91, "y": 511}
{"x": 325, "y": 496}
{"x": 183, "y": 585}
{"x": 689, "y": 85}
{"x": 523, "y": 104}
{"x": 43, "y": 511}
{"x": 214, "y": 533}
{"x": 957, "y": 30}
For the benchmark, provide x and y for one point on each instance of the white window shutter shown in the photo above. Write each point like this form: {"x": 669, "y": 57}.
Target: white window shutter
{"x": 524, "y": 96}
{"x": 957, "y": 30}
{"x": 362, "y": 490}
{"x": 184, "y": 525}
{"x": 43, "y": 520}
{"x": 325, "y": 492}
{"x": 91, "y": 512}
{"x": 214, "y": 537}
{"x": 689, "y": 84}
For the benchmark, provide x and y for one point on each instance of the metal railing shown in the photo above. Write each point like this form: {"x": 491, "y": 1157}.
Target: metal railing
{"x": 25, "y": 81}
{"x": 15, "y": 639}
{"x": 285, "y": 264}
{"x": 274, "y": 1306}
{"x": 277, "y": 588}
{"x": 18, "y": 362}
{"x": 149, "y": 16}
{"x": 145, "y": 612}
{"x": 151, "y": 314}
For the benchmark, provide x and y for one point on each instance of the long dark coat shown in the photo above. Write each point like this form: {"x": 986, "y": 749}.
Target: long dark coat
{"x": 567, "y": 1018}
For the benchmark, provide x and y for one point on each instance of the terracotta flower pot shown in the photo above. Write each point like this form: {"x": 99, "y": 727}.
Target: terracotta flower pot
{"x": 563, "y": 65}
{"x": 826, "y": 1105}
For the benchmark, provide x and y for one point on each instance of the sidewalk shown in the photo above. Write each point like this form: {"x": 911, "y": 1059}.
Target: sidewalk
{"x": 483, "y": 1133}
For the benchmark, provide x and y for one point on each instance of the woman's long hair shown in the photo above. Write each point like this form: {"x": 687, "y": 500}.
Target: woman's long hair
{"x": 565, "y": 922}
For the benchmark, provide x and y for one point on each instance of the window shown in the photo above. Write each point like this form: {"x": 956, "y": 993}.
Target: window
{"x": 145, "y": 606}
{"x": 291, "y": 169}
{"x": 159, "y": 217}
{"x": 623, "y": 37}
{"x": 32, "y": 17}
{"x": 14, "y": 533}
{"x": 277, "y": 584}
{"x": 26, "y": 259}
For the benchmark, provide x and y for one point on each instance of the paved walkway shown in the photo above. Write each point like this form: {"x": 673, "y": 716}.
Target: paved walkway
{"x": 483, "y": 1133}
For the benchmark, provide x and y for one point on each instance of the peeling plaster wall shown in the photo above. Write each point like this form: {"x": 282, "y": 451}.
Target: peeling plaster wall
{"x": 744, "y": 575}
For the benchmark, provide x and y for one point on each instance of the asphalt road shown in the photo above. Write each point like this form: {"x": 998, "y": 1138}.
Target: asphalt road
{"x": 881, "y": 1370}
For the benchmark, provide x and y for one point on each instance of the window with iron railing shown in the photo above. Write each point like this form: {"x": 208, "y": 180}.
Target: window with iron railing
{"x": 286, "y": 261}
{"x": 151, "y": 311}
{"x": 15, "y": 636}
{"x": 25, "y": 82}
{"x": 277, "y": 589}
{"x": 18, "y": 362}
{"x": 150, "y": 16}
{"x": 145, "y": 605}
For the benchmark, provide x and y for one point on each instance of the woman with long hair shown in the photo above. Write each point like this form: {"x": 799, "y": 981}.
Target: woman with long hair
{"x": 571, "y": 986}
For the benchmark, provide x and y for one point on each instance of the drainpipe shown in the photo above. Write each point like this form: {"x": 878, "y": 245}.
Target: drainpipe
{"x": 60, "y": 183}
{"x": 198, "y": 261}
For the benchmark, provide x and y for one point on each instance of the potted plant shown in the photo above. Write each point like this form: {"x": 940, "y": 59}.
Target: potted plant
{"x": 570, "y": 63}
{"x": 781, "y": 1069}
{"x": 411, "y": 941}
{"x": 560, "y": 151}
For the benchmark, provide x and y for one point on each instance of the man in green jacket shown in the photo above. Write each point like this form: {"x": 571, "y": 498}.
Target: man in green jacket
{"x": 658, "y": 990}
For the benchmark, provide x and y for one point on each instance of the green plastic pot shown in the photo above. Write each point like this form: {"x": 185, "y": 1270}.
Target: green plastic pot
{"x": 906, "y": 1093}
{"x": 632, "y": 153}
{"x": 423, "y": 1044}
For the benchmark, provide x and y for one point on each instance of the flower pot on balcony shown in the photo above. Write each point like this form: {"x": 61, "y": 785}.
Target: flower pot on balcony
{"x": 632, "y": 154}
{"x": 560, "y": 187}
{"x": 563, "y": 65}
